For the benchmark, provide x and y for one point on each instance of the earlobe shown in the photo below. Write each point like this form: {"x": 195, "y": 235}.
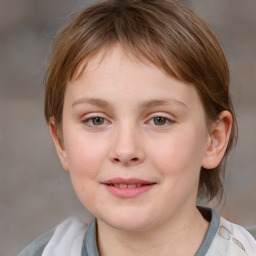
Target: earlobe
{"x": 218, "y": 140}
{"x": 58, "y": 142}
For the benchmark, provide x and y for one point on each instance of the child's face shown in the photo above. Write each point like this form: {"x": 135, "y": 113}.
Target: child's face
{"x": 125, "y": 122}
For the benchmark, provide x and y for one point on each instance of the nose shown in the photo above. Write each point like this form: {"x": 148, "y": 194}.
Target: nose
{"x": 127, "y": 147}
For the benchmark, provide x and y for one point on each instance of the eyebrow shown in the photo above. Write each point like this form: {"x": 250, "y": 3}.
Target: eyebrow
{"x": 159, "y": 102}
{"x": 147, "y": 103}
{"x": 91, "y": 101}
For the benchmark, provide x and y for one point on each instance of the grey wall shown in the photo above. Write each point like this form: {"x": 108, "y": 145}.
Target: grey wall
{"x": 35, "y": 193}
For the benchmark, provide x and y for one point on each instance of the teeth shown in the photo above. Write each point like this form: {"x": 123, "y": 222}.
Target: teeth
{"x": 127, "y": 185}
{"x": 132, "y": 186}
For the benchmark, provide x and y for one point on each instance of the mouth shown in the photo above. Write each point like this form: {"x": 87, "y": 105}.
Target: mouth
{"x": 128, "y": 188}
{"x": 125, "y": 185}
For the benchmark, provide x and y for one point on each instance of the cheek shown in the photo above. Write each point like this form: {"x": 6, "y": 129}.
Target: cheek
{"x": 177, "y": 155}
{"x": 84, "y": 154}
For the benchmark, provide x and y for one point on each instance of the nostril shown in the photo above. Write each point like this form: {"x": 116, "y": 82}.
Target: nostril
{"x": 135, "y": 159}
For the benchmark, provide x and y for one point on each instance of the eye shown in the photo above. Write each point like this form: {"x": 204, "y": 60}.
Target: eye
{"x": 95, "y": 121}
{"x": 160, "y": 121}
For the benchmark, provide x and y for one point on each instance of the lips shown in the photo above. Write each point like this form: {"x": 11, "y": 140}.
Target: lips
{"x": 128, "y": 188}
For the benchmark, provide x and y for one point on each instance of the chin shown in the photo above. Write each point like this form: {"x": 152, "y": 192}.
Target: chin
{"x": 127, "y": 221}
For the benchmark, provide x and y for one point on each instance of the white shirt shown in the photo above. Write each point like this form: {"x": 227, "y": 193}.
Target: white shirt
{"x": 72, "y": 238}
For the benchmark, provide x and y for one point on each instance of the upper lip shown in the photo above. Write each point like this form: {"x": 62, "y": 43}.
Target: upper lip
{"x": 128, "y": 181}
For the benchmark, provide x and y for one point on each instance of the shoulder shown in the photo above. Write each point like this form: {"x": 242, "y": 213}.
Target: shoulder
{"x": 235, "y": 239}
{"x": 37, "y": 247}
{"x": 246, "y": 240}
{"x": 66, "y": 237}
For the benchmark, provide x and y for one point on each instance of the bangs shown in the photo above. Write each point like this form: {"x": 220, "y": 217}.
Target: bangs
{"x": 163, "y": 36}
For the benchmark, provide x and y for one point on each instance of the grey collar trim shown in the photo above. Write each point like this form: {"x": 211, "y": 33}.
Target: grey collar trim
{"x": 90, "y": 239}
{"x": 213, "y": 228}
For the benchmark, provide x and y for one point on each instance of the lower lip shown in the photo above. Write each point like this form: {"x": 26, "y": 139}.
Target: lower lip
{"x": 128, "y": 192}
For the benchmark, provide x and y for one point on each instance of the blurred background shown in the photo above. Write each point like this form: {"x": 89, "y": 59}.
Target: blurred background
{"x": 35, "y": 193}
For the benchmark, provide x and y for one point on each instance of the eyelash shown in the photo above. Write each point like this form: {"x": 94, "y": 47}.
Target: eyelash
{"x": 89, "y": 121}
{"x": 166, "y": 120}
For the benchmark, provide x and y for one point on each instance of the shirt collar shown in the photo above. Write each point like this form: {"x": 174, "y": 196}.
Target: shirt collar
{"x": 90, "y": 239}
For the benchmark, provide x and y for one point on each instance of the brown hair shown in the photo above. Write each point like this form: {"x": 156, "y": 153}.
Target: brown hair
{"x": 165, "y": 33}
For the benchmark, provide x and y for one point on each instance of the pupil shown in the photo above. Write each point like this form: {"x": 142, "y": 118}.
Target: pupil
{"x": 98, "y": 120}
{"x": 159, "y": 120}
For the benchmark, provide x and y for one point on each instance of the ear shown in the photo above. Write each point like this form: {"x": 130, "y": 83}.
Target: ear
{"x": 58, "y": 141}
{"x": 218, "y": 140}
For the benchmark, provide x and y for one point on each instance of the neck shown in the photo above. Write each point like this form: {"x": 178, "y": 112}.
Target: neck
{"x": 182, "y": 235}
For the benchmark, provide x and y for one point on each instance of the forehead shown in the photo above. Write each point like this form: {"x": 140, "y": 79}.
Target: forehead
{"x": 97, "y": 61}
{"x": 114, "y": 72}
{"x": 114, "y": 63}
{"x": 116, "y": 59}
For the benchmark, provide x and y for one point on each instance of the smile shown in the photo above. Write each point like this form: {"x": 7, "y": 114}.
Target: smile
{"x": 128, "y": 188}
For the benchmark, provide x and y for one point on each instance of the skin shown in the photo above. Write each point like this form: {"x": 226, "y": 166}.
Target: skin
{"x": 111, "y": 129}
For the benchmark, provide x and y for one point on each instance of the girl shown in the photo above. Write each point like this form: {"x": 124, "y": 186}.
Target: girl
{"x": 138, "y": 104}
